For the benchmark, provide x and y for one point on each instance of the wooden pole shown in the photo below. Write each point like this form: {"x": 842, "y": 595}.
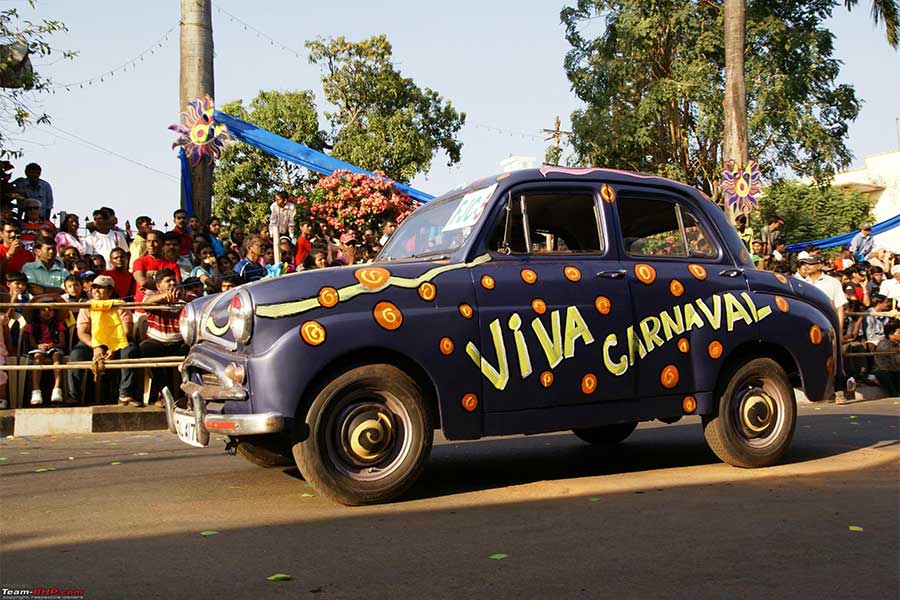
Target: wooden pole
{"x": 735, "y": 138}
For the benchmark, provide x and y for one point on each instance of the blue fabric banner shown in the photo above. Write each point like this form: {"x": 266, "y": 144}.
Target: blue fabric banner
{"x": 845, "y": 238}
{"x": 187, "y": 188}
{"x": 298, "y": 154}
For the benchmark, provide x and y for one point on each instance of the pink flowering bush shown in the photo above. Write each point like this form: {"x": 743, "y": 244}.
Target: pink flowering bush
{"x": 346, "y": 200}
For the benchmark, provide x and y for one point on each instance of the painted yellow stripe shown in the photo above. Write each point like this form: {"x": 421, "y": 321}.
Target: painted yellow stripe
{"x": 290, "y": 309}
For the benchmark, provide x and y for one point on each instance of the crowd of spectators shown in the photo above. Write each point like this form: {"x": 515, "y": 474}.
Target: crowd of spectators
{"x": 145, "y": 265}
{"x": 863, "y": 283}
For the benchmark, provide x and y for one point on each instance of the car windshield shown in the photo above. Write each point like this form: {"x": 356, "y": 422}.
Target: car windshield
{"x": 439, "y": 228}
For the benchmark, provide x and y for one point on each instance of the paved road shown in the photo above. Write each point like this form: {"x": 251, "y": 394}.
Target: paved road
{"x": 120, "y": 515}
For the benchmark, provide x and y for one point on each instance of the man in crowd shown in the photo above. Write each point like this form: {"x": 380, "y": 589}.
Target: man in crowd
{"x": 891, "y": 287}
{"x": 303, "y": 242}
{"x": 812, "y": 274}
{"x": 771, "y": 233}
{"x": 33, "y": 223}
{"x": 163, "y": 336}
{"x": 146, "y": 267}
{"x": 171, "y": 252}
{"x": 876, "y": 276}
{"x": 387, "y": 230}
{"x": 91, "y": 345}
{"x": 124, "y": 281}
{"x": 13, "y": 255}
{"x": 862, "y": 243}
{"x": 281, "y": 221}
{"x": 138, "y": 246}
{"x": 45, "y": 275}
{"x": 32, "y": 186}
{"x": 874, "y": 324}
{"x": 104, "y": 238}
{"x": 248, "y": 268}
{"x": 887, "y": 366}
{"x": 181, "y": 228}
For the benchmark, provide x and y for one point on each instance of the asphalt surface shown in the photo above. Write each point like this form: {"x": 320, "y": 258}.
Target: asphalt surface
{"x": 121, "y": 516}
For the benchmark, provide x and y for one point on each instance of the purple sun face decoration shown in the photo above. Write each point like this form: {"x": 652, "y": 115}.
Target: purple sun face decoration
{"x": 198, "y": 133}
{"x": 741, "y": 185}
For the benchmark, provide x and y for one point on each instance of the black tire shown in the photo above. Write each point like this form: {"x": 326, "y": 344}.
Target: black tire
{"x": 267, "y": 451}
{"x": 370, "y": 433}
{"x": 606, "y": 434}
{"x": 756, "y": 418}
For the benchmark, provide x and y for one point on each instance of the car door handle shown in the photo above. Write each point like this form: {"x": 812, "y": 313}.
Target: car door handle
{"x": 731, "y": 272}
{"x": 616, "y": 274}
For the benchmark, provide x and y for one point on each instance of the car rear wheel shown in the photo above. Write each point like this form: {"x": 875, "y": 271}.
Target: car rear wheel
{"x": 606, "y": 434}
{"x": 369, "y": 436}
{"x": 757, "y": 416}
{"x": 266, "y": 450}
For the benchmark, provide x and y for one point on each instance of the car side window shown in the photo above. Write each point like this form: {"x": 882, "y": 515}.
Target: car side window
{"x": 552, "y": 223}
{"x": 652, "y": 227}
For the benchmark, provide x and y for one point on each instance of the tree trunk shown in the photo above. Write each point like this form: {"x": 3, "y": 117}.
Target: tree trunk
{"x": 197, "y": 81}
{"x": 734, "y": 144}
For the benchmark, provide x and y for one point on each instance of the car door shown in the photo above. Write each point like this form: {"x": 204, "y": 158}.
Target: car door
{"x": 547, "y": 302}
{"x": 690, "y": 300}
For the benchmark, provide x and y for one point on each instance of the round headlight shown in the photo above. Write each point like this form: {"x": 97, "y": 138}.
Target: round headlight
{"x": 187, "y": 324}
{"x": 240, "y": 316}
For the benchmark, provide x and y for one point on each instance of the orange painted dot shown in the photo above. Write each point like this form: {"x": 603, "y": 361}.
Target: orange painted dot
{"x": 669, "y": 377}
{"x": 683, "y": 345}
{"x": 714, "y": 349}
{"x": 487, "y": 282}
{"x": 645, "y": 273}
{"x": 607, "y": 193}
{"x": 538, "y": 306}
{"x": 427, "y": 291}
{"x": 529, "y": 276}
{"x": 815, "y": 334}
{"x": 689, "y": 404}
{"x": 589, "y": 383}
{"x": 603, "y": 305}
{"x": 676, "y": 288}
{"x": 781, "y": 278}
{"x": 829, "y": 365}
{"x": 328, "y": 297}
{"x": 373, "y": 278}
{"x": 782, "y": 304}
{"x": 697, "y": 271}
{"x": 387, "y": 315}
{"x": 312, "y": 333}
{"x": 466, "y": 311}
{"x": 469, "y": 402}
{"x": 546, "y": 379}
{"x": 572, "y": 273}
{"x": 446, "y": 346}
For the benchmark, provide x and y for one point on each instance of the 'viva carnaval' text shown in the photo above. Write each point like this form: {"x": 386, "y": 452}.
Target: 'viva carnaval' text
{"x": 651, "y": 333}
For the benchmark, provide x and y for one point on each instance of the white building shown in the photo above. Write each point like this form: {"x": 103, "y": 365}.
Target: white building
{"x": 880, "y": 180}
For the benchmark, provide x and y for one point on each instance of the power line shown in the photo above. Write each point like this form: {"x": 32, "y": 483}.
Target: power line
{"x": 509, "y": 132}
{"x": 132, "y": 62}
{"x": 98, "y": 148}
{"x": 260, "y": 34}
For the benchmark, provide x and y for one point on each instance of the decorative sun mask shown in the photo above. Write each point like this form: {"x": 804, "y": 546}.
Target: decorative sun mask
{"x": 199, "y": 134}
{"x": 741, "y": 185}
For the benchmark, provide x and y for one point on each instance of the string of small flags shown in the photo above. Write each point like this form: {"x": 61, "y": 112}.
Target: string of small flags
{"x": 260, "y": 34}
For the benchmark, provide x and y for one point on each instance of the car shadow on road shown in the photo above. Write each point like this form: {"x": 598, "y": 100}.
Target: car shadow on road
{"x": 460, "y": 467}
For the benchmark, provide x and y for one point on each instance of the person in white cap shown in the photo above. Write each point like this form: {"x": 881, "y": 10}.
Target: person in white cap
{"x": 811, "y": 273}
{"x": 891, "y": 287}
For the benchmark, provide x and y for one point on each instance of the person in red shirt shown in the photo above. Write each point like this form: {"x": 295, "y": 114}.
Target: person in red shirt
{"x": 187, "y": 241}
{"x": 146, "y": 267}
{"x": 125, "y": 284}
{"x": 303, "y": 243}
{"x": 13, "y": 256}
{"x": 32, "y": 223}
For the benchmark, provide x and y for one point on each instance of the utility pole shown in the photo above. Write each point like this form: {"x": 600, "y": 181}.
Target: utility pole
{"x": 196, "y": 81}
{"x": 556, "y": 135}
{"x": 735, "y": 139}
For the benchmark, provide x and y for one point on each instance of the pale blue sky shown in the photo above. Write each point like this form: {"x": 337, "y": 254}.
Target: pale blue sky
{"x": 499, "y": 61}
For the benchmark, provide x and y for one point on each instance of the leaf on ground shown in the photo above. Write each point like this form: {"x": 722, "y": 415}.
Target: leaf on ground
{"x": 307, "y": 496}
{"x": 852, "y": 416}
{"x": 595, "y": 499}
{"x": 855, "y": 528}
{"x": 279, "y": 577}
{"x": 44, "y": 470}
{"x": 116, "y": 462}
{"x": 854, "y": 423}
{"x": 818, "y": 408}
{"x": 498, "y": 556}
{"x": 2, "y": 458}
{"x": 24, "y": 452}
{"x": 209, "y": 533}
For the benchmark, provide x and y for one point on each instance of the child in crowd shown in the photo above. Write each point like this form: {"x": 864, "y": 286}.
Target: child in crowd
{"x": 228, "y": 283}
{"x": 79, "y": 266}
{"x": 46, "y": 333}
{"x": 207, "y": 271}
{"x": 17, "y": 283}
{"x": 74, "y": 290}
{"x": 98, "y": 263}
{"x": 6, "y": 346}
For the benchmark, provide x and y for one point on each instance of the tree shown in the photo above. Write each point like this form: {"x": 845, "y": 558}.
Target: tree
{"x": 835, "y": 211}
{"x": 346, "y": 200}
{"x": 653, "y": 82}
{"x": 247, "y": 178}
{"x": 887, "y": 11}
{"x": 734, "y": 143}
{"x": 383, "y": 121}
{"x": 19, "y": 83}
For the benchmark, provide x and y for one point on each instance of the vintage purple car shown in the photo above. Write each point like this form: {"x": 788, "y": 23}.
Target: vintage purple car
{"x": 535, "y": 301}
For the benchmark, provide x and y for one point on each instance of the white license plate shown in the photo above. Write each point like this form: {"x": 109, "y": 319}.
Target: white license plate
{"x": 186, "y": 428}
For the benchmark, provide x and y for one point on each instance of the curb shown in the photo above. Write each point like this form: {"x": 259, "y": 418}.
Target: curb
{"x": 81, "y": 419}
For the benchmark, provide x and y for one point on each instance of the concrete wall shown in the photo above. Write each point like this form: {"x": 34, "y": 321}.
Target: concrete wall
{"x": 880, "y": 180}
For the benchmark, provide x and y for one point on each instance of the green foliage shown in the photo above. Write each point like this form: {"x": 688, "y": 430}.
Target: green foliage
{"x": 383, "y": 121}
{"x": 653, "y": 82}
{"x": 810, "y": 212}
{"x": 246, "y": 178}
{"x": 19, "y": 83}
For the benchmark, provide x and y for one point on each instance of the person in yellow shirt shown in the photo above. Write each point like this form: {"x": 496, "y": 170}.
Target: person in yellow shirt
{"x": 138, "y": 246}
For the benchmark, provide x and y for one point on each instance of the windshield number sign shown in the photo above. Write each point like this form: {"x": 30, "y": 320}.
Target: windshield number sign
{"x": 470, "y": 208}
